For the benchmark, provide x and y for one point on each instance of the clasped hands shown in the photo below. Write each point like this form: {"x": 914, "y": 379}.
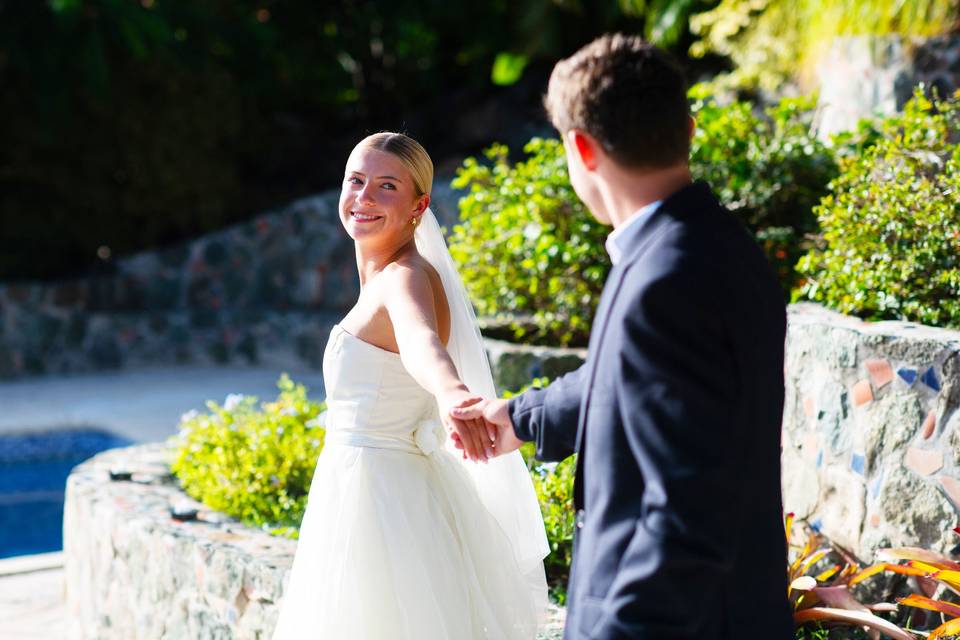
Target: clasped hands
{"x": 479, "y": 427}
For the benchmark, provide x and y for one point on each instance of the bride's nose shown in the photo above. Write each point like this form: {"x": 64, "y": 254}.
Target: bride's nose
{"x": 366, "y": 195}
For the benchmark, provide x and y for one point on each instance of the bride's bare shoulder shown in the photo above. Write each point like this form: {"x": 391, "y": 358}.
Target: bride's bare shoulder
{"x": 412, "y": 270}
{"x": 416, "y": 277}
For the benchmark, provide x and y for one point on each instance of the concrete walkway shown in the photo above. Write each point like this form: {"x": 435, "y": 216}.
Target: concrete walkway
{"x": 31, "y": 598}
{"x": 141, "y": 405}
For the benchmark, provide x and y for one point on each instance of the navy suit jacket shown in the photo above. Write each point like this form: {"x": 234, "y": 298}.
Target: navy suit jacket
{"x": 676, "y": 417}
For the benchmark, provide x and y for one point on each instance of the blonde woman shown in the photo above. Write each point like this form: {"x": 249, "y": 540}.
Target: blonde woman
{"x": 404, "y": 536}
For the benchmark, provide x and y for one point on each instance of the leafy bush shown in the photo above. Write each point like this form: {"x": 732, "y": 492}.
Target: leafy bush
{"x": 891, "y": 225}
{"x": 530, "y": 251}
{"x": 553, "y": 482}
{"x": 767, "y": 168}
{"x": 255, "y": 465}
{"x": 527, "y": 246}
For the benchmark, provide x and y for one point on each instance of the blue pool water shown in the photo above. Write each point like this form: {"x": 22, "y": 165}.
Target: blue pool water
{"x": 33, "y": 473}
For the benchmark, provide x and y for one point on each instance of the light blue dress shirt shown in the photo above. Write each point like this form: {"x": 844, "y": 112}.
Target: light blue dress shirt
{"x": 617, "y": 241}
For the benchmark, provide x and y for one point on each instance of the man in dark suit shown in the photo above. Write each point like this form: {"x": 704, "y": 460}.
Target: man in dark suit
{"x": 676, "y": 413}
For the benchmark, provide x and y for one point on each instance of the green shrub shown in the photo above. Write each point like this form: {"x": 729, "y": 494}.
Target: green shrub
{"x": 890, "y": 247}
{"x": 526, "y": 246}
{"x": 553, "y": 483}
{"x": 767, "y": 168}
{"x": 529, "y": 250}
{"x": 253, "y": 464}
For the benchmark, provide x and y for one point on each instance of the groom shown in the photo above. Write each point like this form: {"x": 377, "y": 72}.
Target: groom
{"x": 675, "y": 416}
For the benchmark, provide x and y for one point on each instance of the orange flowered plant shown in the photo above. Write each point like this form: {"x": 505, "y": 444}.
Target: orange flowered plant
{"x": 935, "y": 573}
{"x": 824, "y": 597}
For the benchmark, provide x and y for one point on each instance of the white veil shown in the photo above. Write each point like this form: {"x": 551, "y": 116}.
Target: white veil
{"x": 503, "y": 483}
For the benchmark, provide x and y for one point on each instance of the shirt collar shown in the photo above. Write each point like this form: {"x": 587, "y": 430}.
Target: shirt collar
{"x": 618, "y": 239}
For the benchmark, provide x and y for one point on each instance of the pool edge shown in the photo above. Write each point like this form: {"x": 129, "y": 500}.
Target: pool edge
{"x": 31, "y": 563}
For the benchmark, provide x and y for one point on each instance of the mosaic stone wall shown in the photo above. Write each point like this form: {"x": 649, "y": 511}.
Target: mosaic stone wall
{"x": 865, "y": 75}
{"x": 871, "y": 449}
{"x": 262, "y": 292}
{"x": 134, "y": 573}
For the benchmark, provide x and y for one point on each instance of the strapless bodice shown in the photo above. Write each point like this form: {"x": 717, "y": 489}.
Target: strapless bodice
{"x": 373, "y": 401}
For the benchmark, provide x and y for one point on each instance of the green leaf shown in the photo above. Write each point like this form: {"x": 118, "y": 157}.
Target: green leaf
{"x": 507, "y": 68}
{"x": 668, "y": 21}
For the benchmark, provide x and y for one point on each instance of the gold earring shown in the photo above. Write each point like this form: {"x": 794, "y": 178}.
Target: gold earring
{"x": 413, "y": 221}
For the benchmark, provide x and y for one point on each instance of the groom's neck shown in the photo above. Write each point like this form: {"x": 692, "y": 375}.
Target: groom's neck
{"x": 625, "y": 191}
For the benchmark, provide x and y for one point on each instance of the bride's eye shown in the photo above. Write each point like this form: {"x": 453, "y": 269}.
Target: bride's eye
{"x": 388, "y": 185}
{"x": 354, "y": 180}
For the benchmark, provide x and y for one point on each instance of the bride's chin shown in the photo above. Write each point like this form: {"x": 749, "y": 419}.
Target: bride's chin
{"x": 357, "y": 229}
{"x": 360, "y": 234}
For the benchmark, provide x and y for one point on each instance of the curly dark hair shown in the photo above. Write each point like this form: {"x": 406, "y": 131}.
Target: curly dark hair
{"x": 629, "y": 95}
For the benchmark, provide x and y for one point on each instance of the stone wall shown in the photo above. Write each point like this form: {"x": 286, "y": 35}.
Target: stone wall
{"x": 132, "y": 572}
{"x": 862, "y": 76}
{"x": 515, "y": 365}
{"x": 871, "y": 434}
{"x": 260, "y": 292}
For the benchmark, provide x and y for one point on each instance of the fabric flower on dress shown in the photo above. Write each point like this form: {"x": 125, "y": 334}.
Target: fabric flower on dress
{"x": 429, "y": 435}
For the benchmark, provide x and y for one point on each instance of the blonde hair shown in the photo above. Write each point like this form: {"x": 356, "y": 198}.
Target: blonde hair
{"x": 410, "y": 152}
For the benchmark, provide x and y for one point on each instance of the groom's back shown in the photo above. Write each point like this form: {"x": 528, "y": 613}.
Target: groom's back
{"x": 756, "y": 324}
{"x": 681, "y": 448}
{"x": 711, "y": 251}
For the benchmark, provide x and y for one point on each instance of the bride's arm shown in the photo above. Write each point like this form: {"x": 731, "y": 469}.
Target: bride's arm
{"x": 409, "y": 300}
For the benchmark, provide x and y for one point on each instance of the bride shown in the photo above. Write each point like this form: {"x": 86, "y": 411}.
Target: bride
{"x": 404, "y": 537}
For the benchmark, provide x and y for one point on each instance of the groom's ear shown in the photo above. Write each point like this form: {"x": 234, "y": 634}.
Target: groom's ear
{"x": 586, "y": 148}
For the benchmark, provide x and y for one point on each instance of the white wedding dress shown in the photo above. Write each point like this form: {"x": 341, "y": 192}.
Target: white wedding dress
{"x": 395, "y": 543}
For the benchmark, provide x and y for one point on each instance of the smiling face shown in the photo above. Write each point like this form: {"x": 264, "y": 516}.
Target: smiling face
{"x": 378, "y": 199}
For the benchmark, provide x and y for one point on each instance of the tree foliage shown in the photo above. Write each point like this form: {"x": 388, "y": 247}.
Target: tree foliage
{"x": 136, "y": 123}
{"x": 772, "y": 41}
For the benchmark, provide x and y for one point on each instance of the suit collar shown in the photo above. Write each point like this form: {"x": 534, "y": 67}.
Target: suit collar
{"x": 693, "y": 197}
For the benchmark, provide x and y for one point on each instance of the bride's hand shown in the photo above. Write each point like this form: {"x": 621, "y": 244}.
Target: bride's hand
{"x": 496, "y": 416}
{"x": 473, "y": 435}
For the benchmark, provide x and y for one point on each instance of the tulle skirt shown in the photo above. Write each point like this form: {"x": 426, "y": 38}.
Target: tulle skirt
{"x": 397, "y": 546}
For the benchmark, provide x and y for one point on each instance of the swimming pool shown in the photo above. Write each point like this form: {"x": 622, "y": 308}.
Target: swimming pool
{"x": 33, "y": 474}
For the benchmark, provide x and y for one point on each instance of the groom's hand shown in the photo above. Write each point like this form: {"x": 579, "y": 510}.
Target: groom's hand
{"x": 472, "y": 435}
{"x": 496, "y": 414}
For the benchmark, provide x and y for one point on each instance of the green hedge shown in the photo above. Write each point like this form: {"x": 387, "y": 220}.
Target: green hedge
{"x": 529, "y": 250}
{"x": 253, "y": 462}
{"x": 767, "y": 168}
{"x": 527, "y": 247}
{"x": 553, "y": 483}
{"x": 890, "y": 247}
